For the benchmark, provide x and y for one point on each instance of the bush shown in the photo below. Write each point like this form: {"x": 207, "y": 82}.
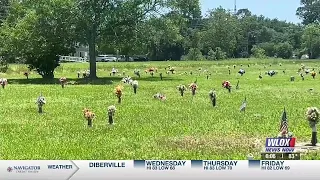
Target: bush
{"x": 269, "y": 48}
{"x": 218, "y": 54}
{"x": 194, "y": 55}
{"x": 258, "y": 52}
{"x": 3, "y": 66}
{"x": 284, "y": 50}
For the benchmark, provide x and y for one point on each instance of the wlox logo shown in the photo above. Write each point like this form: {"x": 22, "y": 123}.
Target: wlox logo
{"x": 280, "y": 144}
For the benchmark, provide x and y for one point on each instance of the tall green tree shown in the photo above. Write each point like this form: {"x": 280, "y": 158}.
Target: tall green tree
{"x": 309, "y": 11}
{"x": 221, "y": 31}
{"x": 98, "y": 17}
{"x": 37, "y": 31}
{"x": 311, "y": 40}
{"x": 4, "y": 8}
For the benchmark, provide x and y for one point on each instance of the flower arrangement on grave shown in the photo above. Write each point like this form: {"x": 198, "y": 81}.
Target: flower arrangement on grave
{"x": 118, "y": 92}
{"x": 271, "y": 73}
{"x": 172, "y": 70}
{"x": 285, "y": 134}
{"x": 292, "y": 78}
{"x": 312, "y": 116}
{"x": 193, "y": 87}
{"x": 26, "y": 74}
{"x": 208, "y": 74}
{"x": 307, "y": 71}
{"x": 241, "y": 72}
{"x": 227, "y": 85}
{"x": 151, "y": 69}
{"x": 127, "y": 80}
{"x": 63, "y": 81}
{"x": 86, "y": 73}
{"x": 3, "y": 82}
{"x": 111, "y": 111}
{"x": 135, "y": 85}
{"x": 313, "y": 74}
{"x": 181, "y": 88}
{"x": 41, "y": 101}
{"x": 213, "y": 97}
{"x": 160, "y": 96}
{"x": 137, "y": 72}
{"x": 114, "y": 71}
{"x": 89, "y": 116}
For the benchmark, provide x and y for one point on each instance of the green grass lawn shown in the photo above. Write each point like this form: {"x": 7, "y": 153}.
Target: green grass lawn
{"x": 146, "y": 128}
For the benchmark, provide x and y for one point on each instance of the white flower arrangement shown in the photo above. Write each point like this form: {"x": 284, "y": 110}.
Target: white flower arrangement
{"x": 212, "y": 94}
{"x": 285, "y": 135}
{"x": 63, "y": 80}
{"x": 312, "y": 115}
{"x": 242, "y": 71}
{"x": 41, "y": 100}
{"x": 182, "y": 87}
{"x": 135, "y": 83}
{"x": 111, "y": 110}
{"x": 3, "y": 81}
{"x": 126, "y": 80}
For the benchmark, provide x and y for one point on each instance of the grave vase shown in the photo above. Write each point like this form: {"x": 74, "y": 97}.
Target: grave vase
{"x": 89, "y": 122}
{"x": 40, "y": 109}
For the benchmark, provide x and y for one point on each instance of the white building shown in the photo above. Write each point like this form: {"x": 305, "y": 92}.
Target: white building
{"x": 81, "y": 55}
{"x": 81, "y": 51}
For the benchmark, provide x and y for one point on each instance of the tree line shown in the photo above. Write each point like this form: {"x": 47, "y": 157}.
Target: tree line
{"x": 35, "y": 32}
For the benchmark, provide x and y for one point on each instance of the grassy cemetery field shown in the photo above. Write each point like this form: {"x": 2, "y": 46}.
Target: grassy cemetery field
{"x": 147, "y": 128}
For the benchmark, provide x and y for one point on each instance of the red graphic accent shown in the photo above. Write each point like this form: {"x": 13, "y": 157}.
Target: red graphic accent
{"x": 292, "y": 142}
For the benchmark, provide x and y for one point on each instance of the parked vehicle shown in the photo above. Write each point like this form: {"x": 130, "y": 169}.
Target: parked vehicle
{"x": 106, "y": 58}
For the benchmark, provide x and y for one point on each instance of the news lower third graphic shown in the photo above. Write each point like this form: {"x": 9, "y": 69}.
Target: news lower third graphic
{"x": 214, "y": 165}
{"x": 280, "y": 156}
{"x": 115, "y": 164}
{"x": 254, "y": 163}
{"x": 275, "y": 165}
{"x": 277, "y": 145}
{"x": 165, "y": 165}
{"x": 60, "y": 166}
{"x": 139, "y": 163}
{"x": 171, "y": 169}
{"x": 38, "y": 169}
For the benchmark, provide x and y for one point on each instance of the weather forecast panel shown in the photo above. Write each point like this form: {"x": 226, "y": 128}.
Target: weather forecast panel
{"x": 161, "y": 169}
